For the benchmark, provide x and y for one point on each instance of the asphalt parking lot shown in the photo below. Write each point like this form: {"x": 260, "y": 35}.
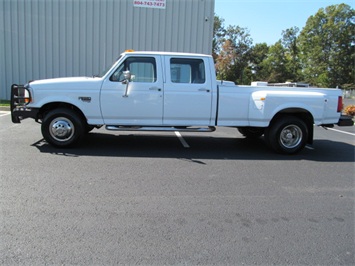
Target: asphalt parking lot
{"x": 169, "y": 199}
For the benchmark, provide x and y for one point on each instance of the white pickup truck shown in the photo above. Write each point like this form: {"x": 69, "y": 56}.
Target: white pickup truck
{"x": 160, "y": 91}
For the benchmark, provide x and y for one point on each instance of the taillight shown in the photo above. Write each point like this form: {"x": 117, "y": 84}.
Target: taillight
{"x": 340, "y": 104}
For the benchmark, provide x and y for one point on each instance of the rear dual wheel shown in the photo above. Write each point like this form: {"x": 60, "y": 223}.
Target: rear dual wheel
{"x": 287, "y": 135}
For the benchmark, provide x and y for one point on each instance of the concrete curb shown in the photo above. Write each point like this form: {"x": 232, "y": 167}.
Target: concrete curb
{"x": 5, "y": 108}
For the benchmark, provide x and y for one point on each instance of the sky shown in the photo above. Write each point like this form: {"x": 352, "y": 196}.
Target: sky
{"x": 266, "y": 19}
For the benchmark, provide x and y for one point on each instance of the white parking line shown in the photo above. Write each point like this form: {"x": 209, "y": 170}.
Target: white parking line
{"x": 3, "y": 113}
{"x": 182, "y": 140}
{"x": 337, "y": 130}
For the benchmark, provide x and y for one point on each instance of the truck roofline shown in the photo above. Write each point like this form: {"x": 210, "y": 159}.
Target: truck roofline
{"x": 165, "y": 53}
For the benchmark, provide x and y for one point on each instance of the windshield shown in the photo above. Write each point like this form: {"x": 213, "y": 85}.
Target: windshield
{"x": 106, "y": 69}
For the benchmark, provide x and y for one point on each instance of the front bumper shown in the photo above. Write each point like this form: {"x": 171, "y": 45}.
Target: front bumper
{"x": 20, "y": 97}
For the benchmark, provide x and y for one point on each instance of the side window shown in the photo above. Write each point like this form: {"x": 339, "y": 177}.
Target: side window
{"x": 143, "y": 69}
{"x": 185, "y": 70}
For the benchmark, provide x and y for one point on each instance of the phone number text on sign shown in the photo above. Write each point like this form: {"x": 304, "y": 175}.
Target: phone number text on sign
{"x": 150, "y": 3}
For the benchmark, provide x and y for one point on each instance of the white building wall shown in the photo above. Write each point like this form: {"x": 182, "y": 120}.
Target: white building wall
{"x": 55, "y": 38}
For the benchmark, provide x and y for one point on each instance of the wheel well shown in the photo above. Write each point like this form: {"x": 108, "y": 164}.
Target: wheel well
{"x": 54, "y": 105}
{"x": 302, "y": 114}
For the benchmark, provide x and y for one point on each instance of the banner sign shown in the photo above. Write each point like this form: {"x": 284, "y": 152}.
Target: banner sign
{"x": 150, "y": 3}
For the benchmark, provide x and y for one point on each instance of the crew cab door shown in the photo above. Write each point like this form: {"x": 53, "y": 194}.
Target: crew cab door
{"x": 141, "y": 103}
{"x": 187, "y": 91}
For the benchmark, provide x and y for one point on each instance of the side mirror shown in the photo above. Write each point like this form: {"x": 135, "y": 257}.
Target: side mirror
{"x": 127, "y": 78}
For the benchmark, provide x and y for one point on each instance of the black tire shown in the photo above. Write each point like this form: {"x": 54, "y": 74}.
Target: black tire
{"x": 251, "y": 132}
{"x": 63, "y": 128}
{"x": 287, "y": 135}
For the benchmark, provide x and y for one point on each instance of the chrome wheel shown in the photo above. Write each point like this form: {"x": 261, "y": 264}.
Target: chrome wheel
{"x": 61, "y": 129}
{"x": 287, "y": 134}
{"x": 291, "y": 136}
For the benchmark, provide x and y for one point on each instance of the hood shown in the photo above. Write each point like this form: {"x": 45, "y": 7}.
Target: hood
{"x": 66, "y": 83}
{"x": 61, "y": 80}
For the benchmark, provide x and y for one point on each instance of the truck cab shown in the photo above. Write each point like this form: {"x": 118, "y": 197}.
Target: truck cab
{"x": 162, "y": 90}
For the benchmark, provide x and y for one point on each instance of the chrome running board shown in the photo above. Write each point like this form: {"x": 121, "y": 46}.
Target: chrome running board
{"x": 166, "y": 129}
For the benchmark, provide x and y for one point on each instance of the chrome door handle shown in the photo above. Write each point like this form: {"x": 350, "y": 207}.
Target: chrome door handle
{"x": 155, "y": 89}
{"x": 203, "y": 89}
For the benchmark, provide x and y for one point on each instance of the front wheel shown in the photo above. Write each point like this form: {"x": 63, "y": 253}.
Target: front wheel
{"x": 287, "y": 135}
{"x": 62, "y": 127}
